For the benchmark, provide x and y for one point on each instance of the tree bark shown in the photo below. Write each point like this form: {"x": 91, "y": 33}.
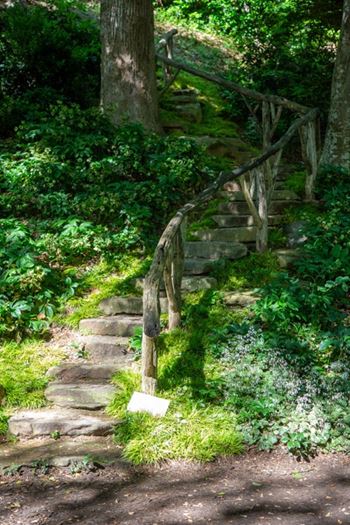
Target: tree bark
{"x": 336, "y": 150}
{"x": 128, "y": 78}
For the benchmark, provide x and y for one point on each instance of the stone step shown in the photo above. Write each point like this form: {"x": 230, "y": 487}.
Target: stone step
{"x": 117, "y": 325}
{"x": 198, "y": 266}
{"x": 241, "y": 208}
{"x": 242, "y": 234}
{"x": 77, "y": 372}
{"x": 277, "y": 195}
{"x": 108, "y": 348}
{"x": 128, "y": 305}
{"x": 43, "y": 422}
{"x": 191, "y": 283}
{"x": 234, "y": 185}
{"x": 61, "y": 453}
{"x": 214, "y": 250}
{"x": 233, "y": 221}
{"x": 87, "y": 396}
{"x": 242, "y": 299}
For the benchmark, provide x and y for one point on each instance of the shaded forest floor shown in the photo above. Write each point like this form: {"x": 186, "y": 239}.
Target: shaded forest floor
{"x": 256, "y": 488}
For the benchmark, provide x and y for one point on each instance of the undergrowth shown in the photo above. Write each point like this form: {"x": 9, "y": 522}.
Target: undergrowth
{"x": 22, "y": 374}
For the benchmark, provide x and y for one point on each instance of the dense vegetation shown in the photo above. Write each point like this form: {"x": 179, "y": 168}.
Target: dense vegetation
{"x": 80, "y": 200}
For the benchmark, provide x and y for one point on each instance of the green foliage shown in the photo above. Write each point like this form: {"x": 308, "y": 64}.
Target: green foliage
{"x": 45, "y": 54}
{"x": 284, "y": 394}
{"x": 318, "y": 292}
{"x": 286, "y": 47}
{"x": 81, "y": 190}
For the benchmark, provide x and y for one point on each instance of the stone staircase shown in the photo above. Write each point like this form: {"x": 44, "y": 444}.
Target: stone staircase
{"x": 75, "y": 424}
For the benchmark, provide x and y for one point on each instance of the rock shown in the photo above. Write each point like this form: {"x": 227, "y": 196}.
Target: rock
{"x": 241, "y": 208}
{"x": 121, "y": 305}
{"x": 190, "y": 283}
{"x": 107, "y": 348}
{"x": 240, "y": 234}
{"x": 185, "y": 92}
{"x": 82, "y": 395}
{"x": 61, "y": 453}
{"x": 243, "y": 299}
{"x": 43, "y": 422}
{"x": 117, "y": 325}
{"x": 75, "y": 372}
{"x": 295, "y": 234}
{"x": 191, "y": 112}
{"x": 197, "y": 266}
{"x": 198, "y": 282}
{"x": 286, "y": 258}
{"x": 230, "y": 147}
{"x": 215, "y": 250}
{"x": 233, "y": 221}
{"x": 277, "y": 195}
{"x": 127, "y": 305}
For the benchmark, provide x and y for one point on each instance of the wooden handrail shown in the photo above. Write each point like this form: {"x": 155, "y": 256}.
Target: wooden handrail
{"x": 229, "y": 85}
{"x": 171, "y": 242}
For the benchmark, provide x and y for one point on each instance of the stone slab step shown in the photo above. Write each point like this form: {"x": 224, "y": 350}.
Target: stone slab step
{"x": 86, "y": 396}
{"x": 234, "y": 221}
{"x": 191, "y": 283}
{"x": 277, "y": 195}
{"x": 76, "y": 372}
{"x": 117, "y": 325}
{"x": 242, "y": 299}
{"x": 42, "y": 422}
{"x": 287, "y": 257}
{"x": 108, "y": 348}
{"x": 198, "y": 266}
{"x": 240, "y": 234}
{"x": 214, "y": 250}
{"x": 127, "y": 305}
{"x": 241, "y": 208}
{"x": 61, "y": 453}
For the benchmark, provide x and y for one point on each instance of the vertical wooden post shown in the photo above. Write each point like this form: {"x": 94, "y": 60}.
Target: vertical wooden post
{"x": 172, "y": 279}
{"x": 149, "y": 364}
{"x": 151, "y": 326}
{"x": 262, "y": 229}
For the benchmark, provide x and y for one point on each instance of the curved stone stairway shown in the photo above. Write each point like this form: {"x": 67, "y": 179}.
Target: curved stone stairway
{"x": 74, "y": 425}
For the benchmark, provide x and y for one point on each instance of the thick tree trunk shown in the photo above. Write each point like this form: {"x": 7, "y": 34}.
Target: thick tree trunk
{"x": 336, "y": 149}
{"x": 128, "y": 78}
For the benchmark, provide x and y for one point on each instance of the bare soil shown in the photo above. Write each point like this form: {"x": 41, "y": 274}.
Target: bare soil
{"x": 256, "y": 488}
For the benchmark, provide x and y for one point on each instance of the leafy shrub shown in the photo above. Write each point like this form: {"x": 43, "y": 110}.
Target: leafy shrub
{"x": 45, "y": 53}
{"x": 79, "y": 190}
{"x": 284, "y": 396}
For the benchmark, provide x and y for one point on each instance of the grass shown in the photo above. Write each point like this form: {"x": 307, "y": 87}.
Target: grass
{"x": 196, "y": 426}
{"x": 100, "y": 282}
{"x": 22, "y": 373}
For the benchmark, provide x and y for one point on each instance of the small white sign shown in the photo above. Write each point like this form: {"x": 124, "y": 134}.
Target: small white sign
{"x": 155, "y": 406}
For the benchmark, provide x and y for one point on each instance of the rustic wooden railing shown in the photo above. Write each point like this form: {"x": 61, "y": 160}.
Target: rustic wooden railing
{"x": 168, "y": 261}
{"x": 258, "y": 184}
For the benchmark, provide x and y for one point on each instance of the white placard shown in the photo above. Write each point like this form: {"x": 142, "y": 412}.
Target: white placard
{"x": 146, "y": 403}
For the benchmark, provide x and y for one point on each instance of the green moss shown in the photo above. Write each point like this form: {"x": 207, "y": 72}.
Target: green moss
{"x": 213, "y": 123}
{"x": 252, "y": 271}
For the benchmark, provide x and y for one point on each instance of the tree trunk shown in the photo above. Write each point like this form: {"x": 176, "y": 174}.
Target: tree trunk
{"x": 336, "y": 149}
{"x": 128, "y": 78}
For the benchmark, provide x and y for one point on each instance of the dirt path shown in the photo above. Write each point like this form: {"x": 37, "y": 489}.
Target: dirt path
{"x": 264, "y": 489}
